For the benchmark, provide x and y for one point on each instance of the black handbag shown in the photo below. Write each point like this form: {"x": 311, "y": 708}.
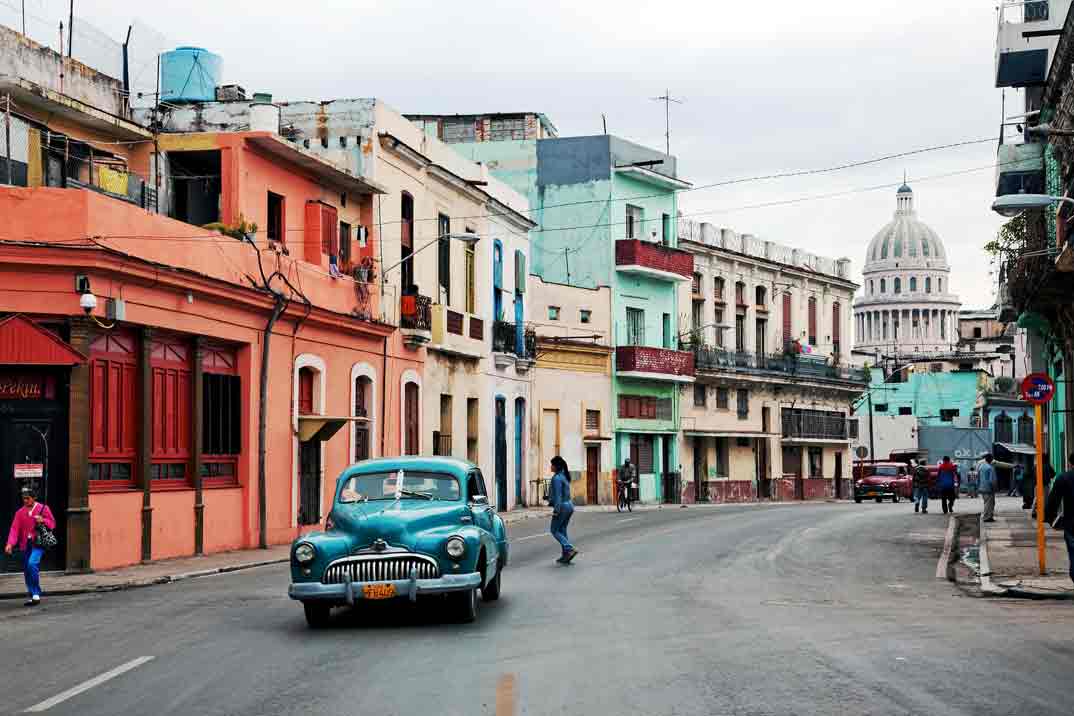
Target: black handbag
{"x": 44, "y": 537}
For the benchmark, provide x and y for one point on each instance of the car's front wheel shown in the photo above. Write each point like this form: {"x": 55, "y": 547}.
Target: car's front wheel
{"x": 491, "y": 591}
{"x": 463, "y": 605}
{"x": 879, "y": 500}
{"x": 317, "y": 614}
{"x": 857, "y": 499}
{"x": 895, "y": 497}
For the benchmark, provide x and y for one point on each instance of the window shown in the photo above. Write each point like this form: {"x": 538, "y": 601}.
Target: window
{"x": 497, "y": 280}
{"x": 872, "y": 286}
{"x": 592, "y": 421}
{"x": 644, "y": 407}
{"x": 723, "y": 468}
{"x": 329, "y": 230}
{"x": 913, "y": 284}
{"x": 406, "y": 232}
{"x": 471, "y": 279}
{"x": 717, "y": 288}
{"x": 344, "y": 243}
{"x": 700, "y": 393}
{"x": 928, "y": 284}
{"x": 883, "y": 286}
{"x": 666, "y": 226}
{"x": 936, "y": 368}
{"x": 668, "y": 337}
{"x": 221, "y": 411}
{"x": 305, "y": 391}
{"x": 740, "y": 333}
{"x": 505, "y": 128}
{"x": 1025, "y": 430}
{"x": 743, "y": 404}
{"x": 812, "y": 321}
{"x": 906, "y": 411}
{"x": 442, "y": 437}
{"x": 457, "y": 130}
{"x": 635, "y": 327}
{"x": 1004, "y": 428}
{"x": 718, "y": 316}
{"x": 722, "y": 396}
{"x": 275, "y": 228}
{"x": 641, "y": 453}
{"x": 788, "y": 333}
{"x": 634, "y": 218}
{"x": 976, "y": 331}
{"x": 740, "y": 293}
{"x": 553, "y": 313}
{"x": 472, "y": 428}
{"x": 816, "y": 462}
{"x": 113, "y": 408}
{"x": 363, "y": 395}
{"x": 443, "y": 264}
{"x": 837, "y": 328}
{"x": 939, "y": 285}
{"x": 585, "y": 315}
{"x": 695, "y": 285}
{"x": 948, "y": 414}
{"x": 760, "y": 336}
{"x": 880, "y": 407}
{"x": 760, "y": 294}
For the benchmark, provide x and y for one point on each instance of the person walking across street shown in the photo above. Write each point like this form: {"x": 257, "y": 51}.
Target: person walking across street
{"x": 920, "y": 484}
{"x": 986, "y": 486}
{"x": 1062, "y": 498}
{"x": 559, "y": 495}
{"x": 1016, "y": 480}
{"x": 947, "y": 484}
{"x": 23, "y": 536}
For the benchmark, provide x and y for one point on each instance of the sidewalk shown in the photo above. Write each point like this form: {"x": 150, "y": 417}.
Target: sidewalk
{"x": 1008, "y": 554}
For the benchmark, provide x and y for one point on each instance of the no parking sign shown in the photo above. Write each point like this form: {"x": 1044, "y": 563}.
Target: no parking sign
{"x": 1038, "y": 388}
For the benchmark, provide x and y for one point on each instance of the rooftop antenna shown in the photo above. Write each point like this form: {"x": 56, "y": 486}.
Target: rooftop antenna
{"x": 667, "y": 99}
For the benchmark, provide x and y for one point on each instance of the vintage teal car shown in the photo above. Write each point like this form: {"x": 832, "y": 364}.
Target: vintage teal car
{"x": 403, "y": 527}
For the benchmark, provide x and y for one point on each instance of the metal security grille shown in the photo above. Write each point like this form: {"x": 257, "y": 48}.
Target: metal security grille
{"x": 380, "y": 569}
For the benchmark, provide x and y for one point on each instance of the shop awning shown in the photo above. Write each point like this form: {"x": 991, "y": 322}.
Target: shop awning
{"x": 1015, "y": 448}
{"x": 23, "y": 342}
{"x": 318, "y": 428}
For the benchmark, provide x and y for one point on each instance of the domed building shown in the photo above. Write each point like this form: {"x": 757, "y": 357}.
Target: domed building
{"x": 906, "y": 304}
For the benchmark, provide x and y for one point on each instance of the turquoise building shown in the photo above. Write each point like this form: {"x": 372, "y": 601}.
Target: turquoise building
{"x": 606, "y": 212}
{"x": 933, "y": 397}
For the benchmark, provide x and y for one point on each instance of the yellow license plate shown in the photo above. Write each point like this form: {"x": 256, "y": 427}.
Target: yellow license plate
{"x": 378, "y": 591}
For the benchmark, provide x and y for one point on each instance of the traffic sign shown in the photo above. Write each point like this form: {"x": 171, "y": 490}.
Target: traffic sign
{"x": 862, "y": 452}
{"x": 1038, "y": 388}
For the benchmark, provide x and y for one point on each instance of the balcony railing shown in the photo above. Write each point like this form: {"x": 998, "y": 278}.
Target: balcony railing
{"x": 441, "y": 444}
{"x": 648, "y": 359}
{"x": 712, "y": 359}
{"x": 814, "y": 427}
{"x": 653, "y": 259}
{"x": 415, "y": 312}
{"x": 513, "y": 338}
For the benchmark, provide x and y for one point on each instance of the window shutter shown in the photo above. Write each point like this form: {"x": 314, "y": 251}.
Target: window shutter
{"x": 788, "y": 333}
{"x": 520, "y": 272}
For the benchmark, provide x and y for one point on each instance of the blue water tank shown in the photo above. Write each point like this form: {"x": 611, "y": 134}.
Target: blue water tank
{"x": 189, "y": 74}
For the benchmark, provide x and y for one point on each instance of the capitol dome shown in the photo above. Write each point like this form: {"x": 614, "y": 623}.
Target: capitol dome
{"x": 905, "y": 305}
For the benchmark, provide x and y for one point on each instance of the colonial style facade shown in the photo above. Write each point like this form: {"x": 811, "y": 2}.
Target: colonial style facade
{"x": 769, "y": 329}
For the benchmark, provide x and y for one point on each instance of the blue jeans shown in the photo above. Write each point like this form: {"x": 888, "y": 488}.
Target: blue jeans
{"x": 921, "y": 497}
{"x": 31, "y": 570}
{"x": 1069, "y": 535}
{"x": 559, "y": 526}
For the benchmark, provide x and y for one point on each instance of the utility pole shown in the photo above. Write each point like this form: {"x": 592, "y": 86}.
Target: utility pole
{"x": 872, "y": 445}
{"x": 667, "y": 99}
{"x": 7, "y": 137}
{"x": 70, "y": 30}
{"x": 23, "y": 17}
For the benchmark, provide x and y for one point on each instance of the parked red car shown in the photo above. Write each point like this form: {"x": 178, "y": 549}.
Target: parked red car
{"x": 879, "y": 480}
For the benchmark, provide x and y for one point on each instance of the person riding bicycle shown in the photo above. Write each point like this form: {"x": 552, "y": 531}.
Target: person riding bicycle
{"x": 627, "y": 475}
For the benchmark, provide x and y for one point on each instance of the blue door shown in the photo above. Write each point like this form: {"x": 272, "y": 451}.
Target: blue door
{"x": 520, "y": 421}
{"x": 501, "y": 454}
{"x": 519, "y": 347}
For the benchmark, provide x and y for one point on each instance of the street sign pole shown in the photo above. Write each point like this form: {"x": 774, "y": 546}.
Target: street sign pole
{"x": 1040, "y": 490}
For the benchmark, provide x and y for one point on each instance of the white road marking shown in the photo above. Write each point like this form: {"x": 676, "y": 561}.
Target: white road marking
{"x": 945, "y": 557}
{"x": 523, "y": 539}
{"x": 628, "y": 519}
{"x": 87, "y": 685}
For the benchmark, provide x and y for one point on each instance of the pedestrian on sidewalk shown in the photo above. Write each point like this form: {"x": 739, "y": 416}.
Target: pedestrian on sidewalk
{"x": 23, "y": 536}
{"x": 559, "y": 495}
{"x": 946, "y": 482}
{"x": 1049, "y": 475}
{"x": 1016, "y": 480}
{"x": 986, "y": 486}
{"x": 921, "y": 488}
{"x": 1062, "y": 496}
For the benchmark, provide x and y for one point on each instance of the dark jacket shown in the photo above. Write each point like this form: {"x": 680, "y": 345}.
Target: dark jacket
{"x": 1062, "y": 494}
{"x": 921, "y": 476}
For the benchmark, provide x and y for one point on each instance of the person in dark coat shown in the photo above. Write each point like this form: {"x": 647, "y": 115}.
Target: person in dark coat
{"x": 559, "y": 495}
{"x": 1062, "y": 496}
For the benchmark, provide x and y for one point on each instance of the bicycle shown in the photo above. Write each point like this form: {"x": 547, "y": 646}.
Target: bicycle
{"x": 624, "y": 500}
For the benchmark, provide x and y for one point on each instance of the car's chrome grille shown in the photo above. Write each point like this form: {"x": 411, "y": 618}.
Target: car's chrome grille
{"x": 380, "y": 569}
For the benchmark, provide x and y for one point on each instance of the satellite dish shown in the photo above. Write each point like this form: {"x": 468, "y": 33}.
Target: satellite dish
{"x": 862, "y": 452}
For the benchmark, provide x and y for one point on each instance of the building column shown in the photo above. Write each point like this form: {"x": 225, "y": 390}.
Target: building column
{"x": 145, "y": 441}
{"x": 78, "y": 441}
{"x": 197, "y": 379}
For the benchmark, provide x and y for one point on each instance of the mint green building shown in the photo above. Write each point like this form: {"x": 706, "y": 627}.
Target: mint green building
{"x": 606, "y": 213}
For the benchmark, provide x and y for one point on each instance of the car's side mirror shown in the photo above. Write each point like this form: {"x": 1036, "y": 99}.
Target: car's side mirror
{"x": 479, "y": 500}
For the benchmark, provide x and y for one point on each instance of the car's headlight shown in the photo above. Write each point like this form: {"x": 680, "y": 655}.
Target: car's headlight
{"x": 304, "y": 553}
{"x": 456, "y": 547}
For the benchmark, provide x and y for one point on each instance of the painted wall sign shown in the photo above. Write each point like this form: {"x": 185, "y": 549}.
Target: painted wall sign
{"x": 26, "y": 471}
{"x": 1038, "y": 388}
{"x": 27, "y": 387}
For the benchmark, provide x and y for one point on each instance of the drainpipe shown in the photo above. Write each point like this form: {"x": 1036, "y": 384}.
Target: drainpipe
{"x": 262, "y": 422}
{"x": 383, "y": 397}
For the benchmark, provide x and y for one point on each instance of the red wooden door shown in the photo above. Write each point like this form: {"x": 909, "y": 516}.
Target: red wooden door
{"x": 788, "y": 333}
{"x": 410, "y": 419}
{"x": 836, "y": 343}
{"x": 305, "y": 391}
{"x": 592, "y": 473}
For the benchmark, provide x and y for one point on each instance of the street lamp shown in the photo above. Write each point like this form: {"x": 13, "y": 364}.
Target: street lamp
{"x": 1011, "y": 205}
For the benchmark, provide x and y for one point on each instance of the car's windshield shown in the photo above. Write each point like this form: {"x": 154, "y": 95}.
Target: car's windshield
{"x": 417, "y": 485}
{"x": 886, "y": 471}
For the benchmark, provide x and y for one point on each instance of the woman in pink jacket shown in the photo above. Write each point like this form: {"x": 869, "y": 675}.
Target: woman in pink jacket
{"x": 21, "y": 536}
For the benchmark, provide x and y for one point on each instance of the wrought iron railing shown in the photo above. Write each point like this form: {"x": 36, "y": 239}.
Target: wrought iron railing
{"x": 712, "y": 359}
{"x": 415, "y": 312}
{"x": 513, "y": 338}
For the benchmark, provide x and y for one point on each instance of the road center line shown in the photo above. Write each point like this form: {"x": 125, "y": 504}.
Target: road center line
{"x": 523, "y": 539}
{"x": 89, "y": 684}
{"x": 628, "y": 519}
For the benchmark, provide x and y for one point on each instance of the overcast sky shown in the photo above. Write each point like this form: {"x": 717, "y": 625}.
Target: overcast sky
{"x": 768, "y": 87}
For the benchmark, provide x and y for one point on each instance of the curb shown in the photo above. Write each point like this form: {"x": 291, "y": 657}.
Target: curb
{"x": 139, "y": 583}
{"x": 991, "y": 589}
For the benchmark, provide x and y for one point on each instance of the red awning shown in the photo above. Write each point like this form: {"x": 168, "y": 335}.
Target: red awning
{"x": 23, "y": 342}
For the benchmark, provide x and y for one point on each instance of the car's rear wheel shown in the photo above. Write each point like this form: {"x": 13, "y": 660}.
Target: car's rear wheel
{"x": 879, "y": 500}
{"x": 463, "y": 605}
{"x": 491, "y": 591}
{"x": 317, "y": 614}
{"x": 857, "y": 499}
{"x": 895, "y": 497}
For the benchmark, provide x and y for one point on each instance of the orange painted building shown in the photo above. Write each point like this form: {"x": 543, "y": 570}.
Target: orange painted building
{"x": 139, "y": 421}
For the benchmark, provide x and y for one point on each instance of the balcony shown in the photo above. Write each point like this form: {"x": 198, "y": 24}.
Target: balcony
{"x": 512, "y": 343}
{"x": 1020, "y": 168}
{"x": 1026, "y": 39}
{"x": 415, "y": 319}
{"x": 649, "y": 363}
{"x": 709, "y": 359}
{"x": 644, "y": 258}
{"x": 814, "y": 426}
{"x": 452, "y": 335}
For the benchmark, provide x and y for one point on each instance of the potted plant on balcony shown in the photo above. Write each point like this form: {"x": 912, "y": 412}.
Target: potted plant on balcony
{"x": 242, "y": 231}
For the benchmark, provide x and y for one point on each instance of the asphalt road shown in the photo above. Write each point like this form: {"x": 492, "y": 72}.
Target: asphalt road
{"x": 771, "y": 609}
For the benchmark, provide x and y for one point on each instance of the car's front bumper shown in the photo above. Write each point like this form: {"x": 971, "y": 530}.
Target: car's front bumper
{"x": 350, "y": 592}
{"x": 873, "y": 491}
